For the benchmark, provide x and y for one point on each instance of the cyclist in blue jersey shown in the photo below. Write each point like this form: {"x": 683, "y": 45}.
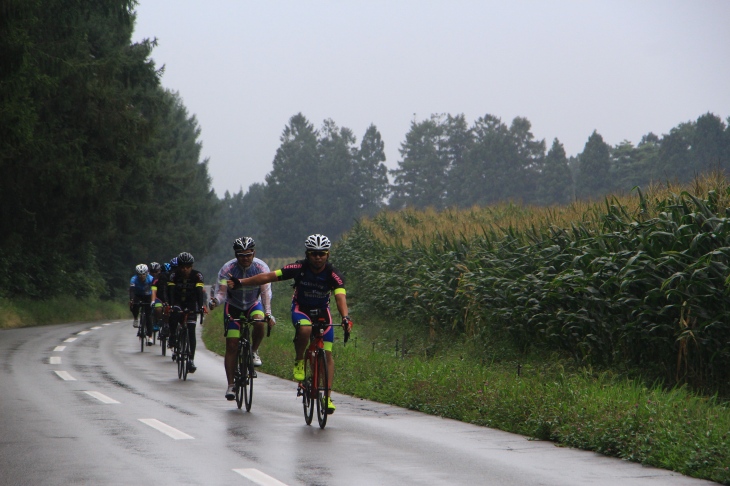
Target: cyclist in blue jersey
{"x": 253, "y": 302}
{"x": 314, "y": 279}
{"x": 140, "y": 295}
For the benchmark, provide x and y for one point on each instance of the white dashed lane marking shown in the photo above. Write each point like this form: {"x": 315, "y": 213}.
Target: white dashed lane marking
{"x": 166, "y": 429}
{"x": 58, "y": 349}
{"x": 101, "y": 397}
{"x": 54, "y": 360}
{"x": 96, "y": 327}
{"x": 70, "y": 340}
{"x": 65, "y": 375}
{"x": 258, "y": 477}
{"x": 82, "y": 333}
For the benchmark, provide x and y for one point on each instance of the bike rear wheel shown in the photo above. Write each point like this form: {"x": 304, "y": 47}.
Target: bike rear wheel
{"x": 322, "y": 390}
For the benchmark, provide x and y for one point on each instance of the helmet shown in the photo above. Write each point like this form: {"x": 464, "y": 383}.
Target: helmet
{"x": 173, "y": 262}
{"x": 317, "y": 242}
{"x": 185, "y": 258}
{"x": 154, "y": 267}
{"x": 141, "y": 269}
{"x": 244, "y": 243}
{"x": 167, "y": 267}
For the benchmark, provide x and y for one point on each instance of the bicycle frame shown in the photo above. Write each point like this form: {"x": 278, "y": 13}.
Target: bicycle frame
{"x": 315, "y": 386}
{"x": 244, "y": 373}
{"x": 182, "y": 343}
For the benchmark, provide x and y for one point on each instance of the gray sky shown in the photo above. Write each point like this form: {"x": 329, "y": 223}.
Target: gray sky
{"x": 624, "y": 68}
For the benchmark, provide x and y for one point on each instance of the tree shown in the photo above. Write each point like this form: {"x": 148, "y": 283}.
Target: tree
{"x": 593, "y": 168}
{"x": 371, "y": 174}
{"x": 420, "y": 180}
{"x": 556, "y": 183}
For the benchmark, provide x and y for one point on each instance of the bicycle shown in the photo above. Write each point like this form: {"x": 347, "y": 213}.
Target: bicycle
{"x": 244, "y": 372}
{"x": 181, "y": 352}
{"x": 164, "y": 328}
{"x": 141, "y": 330}
{"x": 315, "y": 386}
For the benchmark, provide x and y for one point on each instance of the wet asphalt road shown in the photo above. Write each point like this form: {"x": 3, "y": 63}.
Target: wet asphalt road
{"x": 79, "y": 404}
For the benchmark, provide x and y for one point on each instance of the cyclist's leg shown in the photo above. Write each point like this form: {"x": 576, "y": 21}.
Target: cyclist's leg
{"x": 173, "y": 320}
{"x": 148, "y": 314}
{"x": 191, "y": 336}
{"x": 303, "y": 329}
{"x": 328, "y": 338}
{"x": 257, "y": 312}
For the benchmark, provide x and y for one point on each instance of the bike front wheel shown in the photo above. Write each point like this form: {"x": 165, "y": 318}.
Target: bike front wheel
{"x": 322, "y": 390}
{"x": 247, "y": 374}
{"x": 306, "y": 389}
{"x": 238, "y": 376}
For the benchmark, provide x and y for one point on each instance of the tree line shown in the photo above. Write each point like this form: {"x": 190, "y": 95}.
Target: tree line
{"x": 100, "y": 165}
{"x": 322, "y": 180}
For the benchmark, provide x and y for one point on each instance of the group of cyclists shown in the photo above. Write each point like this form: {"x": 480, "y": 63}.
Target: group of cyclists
{"x": 244, "y": 289}
{"x": 168, "y": 293}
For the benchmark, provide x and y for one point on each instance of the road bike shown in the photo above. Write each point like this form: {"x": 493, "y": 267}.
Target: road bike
{"x": 181, "y": 352}
{"x": 163, "y": 332}
{"x": 144, "y": 319}
{"x": 244, "y": 372}
{"x": 315, "y": 386}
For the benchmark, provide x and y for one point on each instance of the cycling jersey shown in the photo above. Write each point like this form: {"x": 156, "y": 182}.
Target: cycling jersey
{"x": 160, "y": 284}
{"x": 312, "y": 290}
{"x": 242, "y": 298}
{"x": 187, "y": 293}
{"x": 140, "y": 286}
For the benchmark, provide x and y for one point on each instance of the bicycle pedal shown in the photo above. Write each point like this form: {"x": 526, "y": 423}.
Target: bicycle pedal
{"x": 254, "y": 375}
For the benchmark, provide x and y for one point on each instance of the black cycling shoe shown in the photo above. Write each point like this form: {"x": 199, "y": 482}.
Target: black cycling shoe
{"x": 191, "y": 367}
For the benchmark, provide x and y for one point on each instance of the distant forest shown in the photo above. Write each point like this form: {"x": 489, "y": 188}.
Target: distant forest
{"x": 322, "y": 180}
{"x": 101, "y": 166}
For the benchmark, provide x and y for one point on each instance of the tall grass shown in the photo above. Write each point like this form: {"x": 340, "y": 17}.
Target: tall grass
{"x": 638, "y": 281}
{"x": 33, "y": 312}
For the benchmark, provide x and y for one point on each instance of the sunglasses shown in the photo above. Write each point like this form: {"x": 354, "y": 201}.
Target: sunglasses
{"x": 318, "y": 253}
{"x": 244, "y": 255}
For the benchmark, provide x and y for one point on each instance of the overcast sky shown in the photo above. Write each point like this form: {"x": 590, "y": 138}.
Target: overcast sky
{"x": 624, "y": 68}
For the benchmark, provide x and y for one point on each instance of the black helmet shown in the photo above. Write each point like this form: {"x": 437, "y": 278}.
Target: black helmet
{"x": 173, "y": 262}
{"x": 154, "y": 266}
{"x": 244, "y": 243}
{"x": 185, "y": 258}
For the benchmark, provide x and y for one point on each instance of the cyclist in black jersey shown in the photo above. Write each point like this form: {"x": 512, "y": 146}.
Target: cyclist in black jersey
{"x": 186, "y": 291}
{"x": 314, "y": 280}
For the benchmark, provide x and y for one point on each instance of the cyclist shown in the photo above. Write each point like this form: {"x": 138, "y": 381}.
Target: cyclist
{"x": 254, "y": 302}
{"x": 140, "y": 295}
{"x": 186, "y": 291}
{"x": 314, "y": 279}
{"x": 159, "y": 295}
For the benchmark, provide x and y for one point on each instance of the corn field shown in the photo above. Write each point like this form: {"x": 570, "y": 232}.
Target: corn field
{"x": 638, "y": 281}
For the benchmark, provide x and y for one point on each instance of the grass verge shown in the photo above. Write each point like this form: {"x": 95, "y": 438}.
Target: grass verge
{"x": 28, "y": 312}
{"x": 541, "y": 397}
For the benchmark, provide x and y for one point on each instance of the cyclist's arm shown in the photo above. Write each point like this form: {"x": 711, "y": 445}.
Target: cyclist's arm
{"x": 222, "y": 293}
{"x": 260, "y": 279}
{"x": 266, "y": 298}
{"x": 341, "y": 301}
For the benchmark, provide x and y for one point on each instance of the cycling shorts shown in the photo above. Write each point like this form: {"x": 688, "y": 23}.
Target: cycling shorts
{"x": 231, "y": 328}
{"x": 305, "y": 317}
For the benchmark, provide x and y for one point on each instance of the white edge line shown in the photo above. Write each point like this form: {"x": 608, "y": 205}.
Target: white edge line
{"x": 258, "y": 477}
{"x": 166, "y": 429}
{"x": 101, "y": 397}
{"x": 65, "y": 375}
{"x": 58, "y": 349}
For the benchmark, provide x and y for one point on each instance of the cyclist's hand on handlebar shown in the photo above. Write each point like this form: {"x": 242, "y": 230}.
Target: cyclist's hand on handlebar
{"x": 212, "y": 304}
{"x": 347, "y": 324}
{"x": 271, "y": 320}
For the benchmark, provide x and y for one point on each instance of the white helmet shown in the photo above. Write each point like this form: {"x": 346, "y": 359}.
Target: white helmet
{"x": 141, "y": 269}
{"x": 317, "y": 242}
